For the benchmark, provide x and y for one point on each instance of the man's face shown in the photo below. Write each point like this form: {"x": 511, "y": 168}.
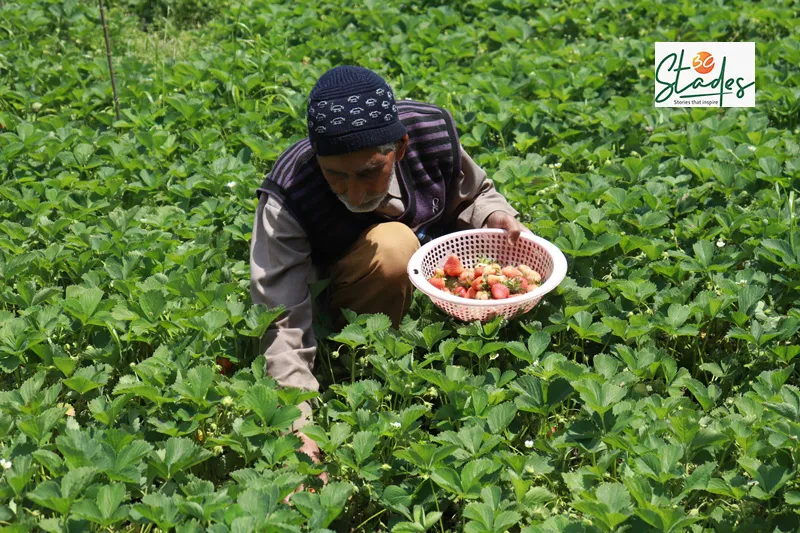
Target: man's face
{"x": 361, "y": 179}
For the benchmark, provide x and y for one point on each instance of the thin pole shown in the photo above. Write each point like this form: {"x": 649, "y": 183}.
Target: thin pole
{"x": 110, "y": 63}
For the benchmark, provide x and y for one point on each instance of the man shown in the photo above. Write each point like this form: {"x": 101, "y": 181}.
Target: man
{"x": 351, "y": 202}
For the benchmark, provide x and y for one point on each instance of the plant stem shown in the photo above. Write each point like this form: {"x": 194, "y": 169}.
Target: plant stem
{"x": 436, "y": 499}
{"x": 110, "y": 62}
{"x": 370, "y": 518}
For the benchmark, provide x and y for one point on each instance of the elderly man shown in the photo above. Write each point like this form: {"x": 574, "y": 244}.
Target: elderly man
{"x": 352, "y": 202}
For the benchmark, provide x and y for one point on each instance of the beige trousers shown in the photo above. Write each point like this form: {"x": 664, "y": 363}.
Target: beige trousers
{"x": 372, "y": 277}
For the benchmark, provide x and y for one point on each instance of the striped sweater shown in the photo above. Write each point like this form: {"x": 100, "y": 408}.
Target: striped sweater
{"x": 431, "y": 162}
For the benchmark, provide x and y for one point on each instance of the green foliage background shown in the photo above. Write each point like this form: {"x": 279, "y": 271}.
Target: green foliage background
{"x": 654, "y": 390}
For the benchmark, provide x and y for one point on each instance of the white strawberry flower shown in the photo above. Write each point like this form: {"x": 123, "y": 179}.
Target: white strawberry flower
{"x": 5, "y": 463}
{"x": 396, "y": 425}
{"x": 751, "y": 148}
{"x": 231, "y": 184}
{"x": 720, "y": 243}
{"x": 529, "y": 443}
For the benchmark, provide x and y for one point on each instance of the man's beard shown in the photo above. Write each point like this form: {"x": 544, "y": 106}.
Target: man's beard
{"x": 369, "y": 204}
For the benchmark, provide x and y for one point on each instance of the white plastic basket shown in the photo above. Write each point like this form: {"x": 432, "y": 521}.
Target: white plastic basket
{"x": 540, "y": 254}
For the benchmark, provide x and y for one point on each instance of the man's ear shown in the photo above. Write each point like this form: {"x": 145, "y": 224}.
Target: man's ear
{"x": 402, "y": 144}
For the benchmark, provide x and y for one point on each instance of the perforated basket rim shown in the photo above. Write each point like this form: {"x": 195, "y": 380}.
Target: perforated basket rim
{"x": 414, "y": 270}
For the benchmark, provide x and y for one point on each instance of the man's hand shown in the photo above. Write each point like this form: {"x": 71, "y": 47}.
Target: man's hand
{"x": 311, "y": 449}
{"x": 502, "y": 220}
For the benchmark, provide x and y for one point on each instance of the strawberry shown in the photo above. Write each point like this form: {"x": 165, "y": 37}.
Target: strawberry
{"x": 437, "y": 282}
{"x": 439, "y": 273}
{"x": 482, "y": 295}
{"x": 466, "y": 277}
{"x": 523, "y": 283}
{"x": 225, "y": 363}
{"x": 511, "y": 272}
{"x": 530, "y": 274}
{"x": 500, "y": 291}
{"x": 515, "y": 285}
{"x": 479, "y": 270}
{"x": 478, "y": 283}
{"x": 494, "y": 280}
{"x": 453, "y": 267}
{"x": 471, "y": 293}
{"x": 460, "y": 291}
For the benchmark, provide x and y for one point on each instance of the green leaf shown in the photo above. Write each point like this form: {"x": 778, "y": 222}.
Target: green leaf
{"x": 538, "y": 343}
{"x": 76, "y": 481}
{"x": 88, "y": 379}
{"x": 107, "y": 509}
{"x": 500, "y": 416}
{"x": 363, "y": 444}
{"x": 597, "y": 397}
{"x": 152, "y": 304}
{"x": 352, "y": 335}
{"x": 178, "y": 455}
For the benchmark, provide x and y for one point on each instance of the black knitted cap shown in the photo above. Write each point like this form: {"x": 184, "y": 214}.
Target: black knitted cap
{"x": 351, "y": 108}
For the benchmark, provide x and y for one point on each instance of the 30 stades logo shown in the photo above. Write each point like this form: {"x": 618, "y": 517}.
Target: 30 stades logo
{"x": 705, "y": 74}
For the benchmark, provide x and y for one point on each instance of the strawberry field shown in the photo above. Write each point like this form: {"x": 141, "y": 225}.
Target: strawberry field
{"x": 654, "y": 390}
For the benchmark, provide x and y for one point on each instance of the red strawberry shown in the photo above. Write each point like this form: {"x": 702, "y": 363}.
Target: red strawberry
{"x": 471, "y": 293}
{"x": 466, "y": 277}
{"x": 460, "y": 291}
{"x": 479, "y": 271}
{"x": 523, "y": 283}
{"x": 453, "y": 267}
{"x": 225, "y": 363}
{"x": 500, "y": 291}
{"x": 478, "y": 284}
{"x": 437, "y": 282}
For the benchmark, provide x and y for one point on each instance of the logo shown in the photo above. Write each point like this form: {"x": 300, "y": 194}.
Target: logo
{"x": 705, "y": 74}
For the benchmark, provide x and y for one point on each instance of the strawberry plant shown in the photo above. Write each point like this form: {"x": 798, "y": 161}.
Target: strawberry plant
{"x": 654, "y": 390}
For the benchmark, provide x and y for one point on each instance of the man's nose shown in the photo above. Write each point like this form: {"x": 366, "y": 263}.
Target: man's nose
{"x": 355, "y": 195}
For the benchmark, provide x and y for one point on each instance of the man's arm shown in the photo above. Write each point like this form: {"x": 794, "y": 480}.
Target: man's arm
{"x": 473, "y": 197}
{"x": 280, "y": 266}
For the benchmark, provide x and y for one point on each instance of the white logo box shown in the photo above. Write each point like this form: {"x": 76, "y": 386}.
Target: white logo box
{"x": 705, "y": 74}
